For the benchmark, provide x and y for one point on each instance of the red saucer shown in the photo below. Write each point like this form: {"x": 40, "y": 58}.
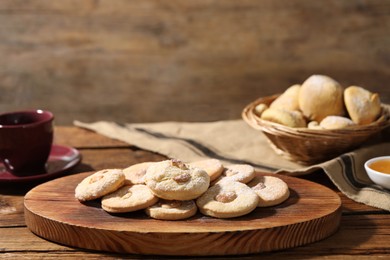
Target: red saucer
{"x": 61, "y": 159}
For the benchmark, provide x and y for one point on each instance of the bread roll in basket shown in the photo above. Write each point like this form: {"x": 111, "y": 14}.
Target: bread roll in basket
{"x": 310, "y": 146}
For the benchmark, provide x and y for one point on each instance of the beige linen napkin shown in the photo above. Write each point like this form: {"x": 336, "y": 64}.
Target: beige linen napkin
{"x": 234, "y": 141}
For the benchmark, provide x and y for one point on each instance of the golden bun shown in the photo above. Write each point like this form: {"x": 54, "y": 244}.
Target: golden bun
{"x": 363, "y": 106}
{"x": 288, "y": 100}
{"x": 321, "y": 96}
{"x": 284, "y": 117}
{"x": 336, "y": 122}
{"x": 260, "y": 108}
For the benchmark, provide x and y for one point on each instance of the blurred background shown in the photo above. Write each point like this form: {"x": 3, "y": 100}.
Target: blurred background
{"x": 203, "y": 60}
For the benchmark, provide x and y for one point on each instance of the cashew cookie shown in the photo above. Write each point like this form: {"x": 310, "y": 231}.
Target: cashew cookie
{"x": 172, "y": 209}
{"x": 128, "y": 198}
{"x": 237, "y": 172}
{"x": 99, "y": 184}
{"x": 271, "y": 190}
{"x": 174, "y": 180}
{"x": 227, "y": 199}
{"x": 213, "y": 167}
{"x": 135, "y": 174}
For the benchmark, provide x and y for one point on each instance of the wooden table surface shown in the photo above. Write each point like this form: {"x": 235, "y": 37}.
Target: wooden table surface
{"x": 364, "y": 231}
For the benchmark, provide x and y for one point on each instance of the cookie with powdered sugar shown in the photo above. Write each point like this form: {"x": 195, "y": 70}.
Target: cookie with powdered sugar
{"x": 99, "y": 184}
{"x": 213, "y": 167}
{"x": 243, "y": 173}
{"x": 175, "y": 180}
{"x": 172, "y": 209}
{"x": 135, "y": 173}
{"x": 271, "y": 190}
{"x": 129, "y": 198}
{"x": 227, "y": 199}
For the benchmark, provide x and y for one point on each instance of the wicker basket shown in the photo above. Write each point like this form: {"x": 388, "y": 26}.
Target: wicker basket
{"x": 310, "y": 146}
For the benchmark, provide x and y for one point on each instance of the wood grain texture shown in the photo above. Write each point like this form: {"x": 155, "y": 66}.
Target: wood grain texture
{"x": 310, "y": 214}
{"x": 11, "y": 211}
{"x": 358, "y": 237}
{"x": 147, "y": 61}
{"x": 84, "y": 139}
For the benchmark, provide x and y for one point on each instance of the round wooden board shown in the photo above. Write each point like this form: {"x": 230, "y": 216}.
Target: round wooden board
{"x": 311, "y": 213}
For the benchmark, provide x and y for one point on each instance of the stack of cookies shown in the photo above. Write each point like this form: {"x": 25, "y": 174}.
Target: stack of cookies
{"x": 173, "y": 190}
{"x": 322, "y": 103}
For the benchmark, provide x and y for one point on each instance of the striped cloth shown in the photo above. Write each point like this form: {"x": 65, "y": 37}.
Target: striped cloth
{"x": 234, "y": 141}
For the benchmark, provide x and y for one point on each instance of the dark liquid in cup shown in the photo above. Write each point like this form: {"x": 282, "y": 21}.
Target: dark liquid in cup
{"x": 20, "y": 119}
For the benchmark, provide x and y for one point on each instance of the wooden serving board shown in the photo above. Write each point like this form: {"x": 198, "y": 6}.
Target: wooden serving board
{"x": 311, "y": 213}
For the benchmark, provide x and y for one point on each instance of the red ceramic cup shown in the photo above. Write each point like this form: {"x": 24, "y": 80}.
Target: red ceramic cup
{"x": 26, "y": 138}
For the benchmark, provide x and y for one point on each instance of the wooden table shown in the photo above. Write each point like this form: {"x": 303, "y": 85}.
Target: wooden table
{"x": 364, "y": 230}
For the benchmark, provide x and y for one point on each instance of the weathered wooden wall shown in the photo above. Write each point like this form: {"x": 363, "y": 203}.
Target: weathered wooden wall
{"x": 204, "y": 60}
